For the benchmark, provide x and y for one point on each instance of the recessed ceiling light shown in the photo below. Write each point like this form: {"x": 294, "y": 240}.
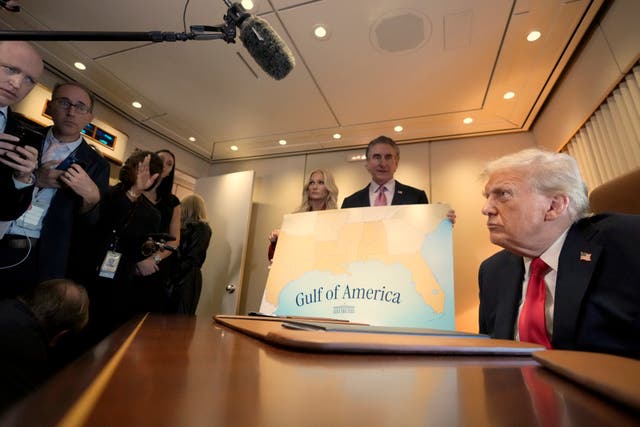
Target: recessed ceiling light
{"x": 356, "y": 157}
{"x": 398, "y": 128}
{"x": 234, "y": 148}
{"x": 320, "y": 32}
{"x": 467, "y": 120}
{"x": 509, "y": 95}
{"x": 136, "y": 104}
{"x": 192, "y": 138}
{"x": 247, "y": 4}
{"x": 282, "y": 142}
{"x": 533, "y": 36}
{"x": 80, "y": 66}
{"x": 337, "y": 136}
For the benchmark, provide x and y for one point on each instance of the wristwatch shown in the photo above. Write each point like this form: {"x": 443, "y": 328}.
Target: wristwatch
{"x": 157, "y": 258}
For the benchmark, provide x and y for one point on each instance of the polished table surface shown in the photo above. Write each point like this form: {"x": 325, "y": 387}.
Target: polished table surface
{"x": 179, "y": 371}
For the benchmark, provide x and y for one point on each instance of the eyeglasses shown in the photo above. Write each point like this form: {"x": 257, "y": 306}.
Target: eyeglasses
{"x": 66, "y": 104}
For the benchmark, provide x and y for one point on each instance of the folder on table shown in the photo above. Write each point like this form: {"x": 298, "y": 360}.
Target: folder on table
{"x": 613, "y": 376}
{"x": 342, "y": 337}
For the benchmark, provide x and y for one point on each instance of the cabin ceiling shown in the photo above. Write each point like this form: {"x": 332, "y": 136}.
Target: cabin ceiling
{"x": 423, "y": 64}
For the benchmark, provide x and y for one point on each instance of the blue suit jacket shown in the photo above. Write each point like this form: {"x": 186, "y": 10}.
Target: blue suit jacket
{"x": 404, "y": 195}
{"x": 597, "y": 301}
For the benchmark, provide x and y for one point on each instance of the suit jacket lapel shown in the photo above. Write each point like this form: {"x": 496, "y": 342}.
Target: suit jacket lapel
{"x": 363, "y": 196}
{"x": 398, "y": 193}
{"x": 512, "y": 273}
{"x": 577, "y": 262}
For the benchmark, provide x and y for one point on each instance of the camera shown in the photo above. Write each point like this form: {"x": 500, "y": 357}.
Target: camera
{"x": 157, "y": 242}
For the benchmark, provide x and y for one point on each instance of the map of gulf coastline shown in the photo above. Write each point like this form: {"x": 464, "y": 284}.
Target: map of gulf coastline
{"x": 387, "y": 266}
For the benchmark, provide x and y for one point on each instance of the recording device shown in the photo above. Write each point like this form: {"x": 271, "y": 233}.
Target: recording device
{"x": 29, "y": 132}
{"x": 261, "y": 41}
{"x": 157, "y": 242}
{"x": 69, "y": 161}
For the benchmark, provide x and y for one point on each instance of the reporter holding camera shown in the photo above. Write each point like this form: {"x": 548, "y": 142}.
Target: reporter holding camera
{"x": 117, "y": 264}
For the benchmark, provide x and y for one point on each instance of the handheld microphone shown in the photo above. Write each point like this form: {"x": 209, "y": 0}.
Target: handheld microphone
{"x": 262, "y": 42}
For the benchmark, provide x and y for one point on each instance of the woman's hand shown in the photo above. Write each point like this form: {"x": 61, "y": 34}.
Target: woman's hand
{"x": 143, "y": 179}
{"x": 273, "y": 236}
{"x": 146, "y": 267}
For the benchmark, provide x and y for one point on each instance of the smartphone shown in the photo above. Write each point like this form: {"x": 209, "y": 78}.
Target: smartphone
{"x": 69, "y": 161}
{"x": 29, "y": 133}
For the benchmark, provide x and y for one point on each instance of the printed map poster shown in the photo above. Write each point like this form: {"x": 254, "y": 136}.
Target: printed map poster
{"x": 387, "y": 266}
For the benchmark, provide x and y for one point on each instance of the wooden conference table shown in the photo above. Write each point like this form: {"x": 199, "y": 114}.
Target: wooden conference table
{"x": 179, "y": 371}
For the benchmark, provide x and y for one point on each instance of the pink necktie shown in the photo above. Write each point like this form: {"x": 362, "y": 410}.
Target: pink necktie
{"x": 532, "y": 326}
{"x": 381, "y": 200}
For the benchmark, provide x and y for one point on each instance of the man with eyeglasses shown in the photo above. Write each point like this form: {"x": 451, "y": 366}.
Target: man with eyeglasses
{"x": 70, "y": 181}
{"x": 20, "y": 67}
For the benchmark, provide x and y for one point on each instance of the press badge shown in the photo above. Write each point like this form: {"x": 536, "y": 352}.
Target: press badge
{"x": 110, "y": 264}
{"x": 32, "y": 218}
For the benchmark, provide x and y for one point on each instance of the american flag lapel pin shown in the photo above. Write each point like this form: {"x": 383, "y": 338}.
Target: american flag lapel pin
{"x": 585, "y": 256}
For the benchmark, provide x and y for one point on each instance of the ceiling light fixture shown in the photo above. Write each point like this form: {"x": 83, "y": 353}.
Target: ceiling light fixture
{"x": 80, "y": 66}
{"x": 398, "y": 128}
{"x": 337, "y": 136}
{"x": 247, "y": 4}
{"x": 234, "y": 148}
{"x": 356, "y": 157}
{"x": 192, "y": 138}
{"x": 320, "y": 32}
{"x": 467, "y": 120}
{"x": 282, "y": 142}
{"x": 534, "y": 35}
{"x": 136, "y": 104}
{"x": 509, "y": 95}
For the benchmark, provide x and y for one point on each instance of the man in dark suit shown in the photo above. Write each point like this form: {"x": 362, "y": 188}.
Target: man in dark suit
{"x": 70, "y": 180}
{"x": 383, "y": 155}
{"x": 587, "y": 293}
{"x": 20, "y": 68}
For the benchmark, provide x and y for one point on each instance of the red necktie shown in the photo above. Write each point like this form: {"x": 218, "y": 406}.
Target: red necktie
{"x": 381, "y": 200}
{"x": 545, "y": 405}
{"x": 532, "y": 326}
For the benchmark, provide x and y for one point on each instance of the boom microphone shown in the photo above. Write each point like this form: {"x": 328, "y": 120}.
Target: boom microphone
{"x": 262, "y": 42}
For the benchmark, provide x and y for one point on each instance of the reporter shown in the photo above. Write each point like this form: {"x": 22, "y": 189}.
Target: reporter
{"x": 127, "y": 218}
{"x": 196, "y": 234}
{"x": 20, "y": 68}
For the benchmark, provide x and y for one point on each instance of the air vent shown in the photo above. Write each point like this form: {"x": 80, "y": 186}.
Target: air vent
{"x": 400, "y": 31}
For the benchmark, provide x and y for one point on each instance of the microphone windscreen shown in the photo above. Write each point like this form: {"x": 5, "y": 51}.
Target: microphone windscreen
{"x": 266, "y": 47}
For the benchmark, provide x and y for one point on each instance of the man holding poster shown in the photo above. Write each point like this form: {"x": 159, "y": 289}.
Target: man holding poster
{"x": 383, "y": 155}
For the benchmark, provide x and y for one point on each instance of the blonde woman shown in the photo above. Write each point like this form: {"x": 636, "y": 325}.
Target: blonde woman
{"x": 195, "y": 234}
{"x": 319, "y": 193}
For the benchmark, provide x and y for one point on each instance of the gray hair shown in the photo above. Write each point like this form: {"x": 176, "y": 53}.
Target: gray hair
{"x": 549, "y": 173}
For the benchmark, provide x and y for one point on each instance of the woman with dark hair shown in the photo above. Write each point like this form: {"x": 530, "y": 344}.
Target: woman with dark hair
{"x": 162, "y": 262}
{"x": 127, "y": 218}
